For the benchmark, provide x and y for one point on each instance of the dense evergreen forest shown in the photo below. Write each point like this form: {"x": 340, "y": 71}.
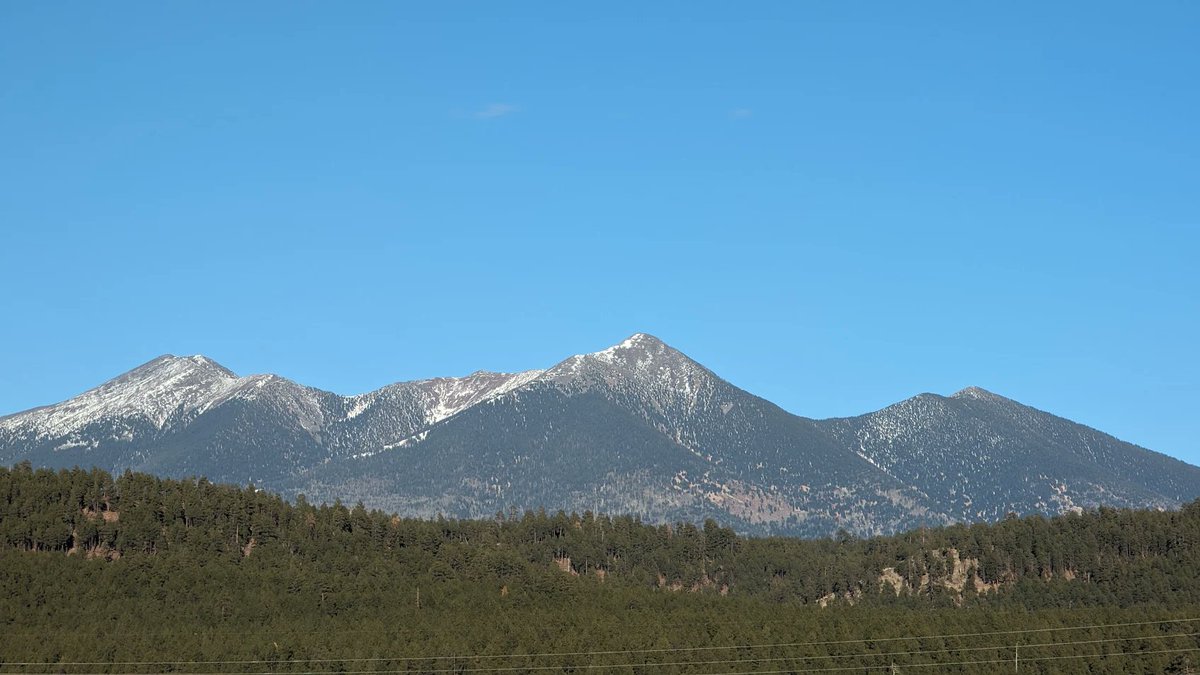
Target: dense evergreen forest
{"x": 145, "y": 575}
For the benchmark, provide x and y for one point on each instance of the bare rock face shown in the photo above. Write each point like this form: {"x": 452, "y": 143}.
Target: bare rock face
{"x": 635, "y": 428}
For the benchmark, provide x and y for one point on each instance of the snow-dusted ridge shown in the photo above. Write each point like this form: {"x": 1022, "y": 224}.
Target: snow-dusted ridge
{"x": 444, "y": 397}
{"x": 176, "y": 389}
{"x": 179, "y": 388}
{"x": 153, "y": 392}
{"x": 637, "y": 427}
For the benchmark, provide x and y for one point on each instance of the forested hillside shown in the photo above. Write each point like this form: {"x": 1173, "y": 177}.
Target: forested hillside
{"x": 139, "y": 574}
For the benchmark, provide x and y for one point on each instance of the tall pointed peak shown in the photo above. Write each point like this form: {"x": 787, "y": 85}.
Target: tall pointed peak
{"x": 640, "y": 353}
{"x": 639, "y": 348}
{"x": 169, "y": 363}
{"x": 643, "y": 339}
{"x": 635, "y": 342}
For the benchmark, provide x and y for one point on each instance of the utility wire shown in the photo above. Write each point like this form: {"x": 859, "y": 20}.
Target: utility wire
{"x": 1099, "y": 655}
{"x": 922, "y": 665}
{"x": 586, "y": 666}
{"x": 652, "y": 650}
{"x": 389, "y": 630}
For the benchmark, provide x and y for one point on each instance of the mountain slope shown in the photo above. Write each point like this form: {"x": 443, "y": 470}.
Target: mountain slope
{"x": 181, "y": 416}
{"x": 381, "y": 419}
{"x": 638, "y": 427}
{"x": 979, "y": 456}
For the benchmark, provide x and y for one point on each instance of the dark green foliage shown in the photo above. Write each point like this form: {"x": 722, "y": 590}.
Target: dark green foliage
{"x": 140, "y": 568}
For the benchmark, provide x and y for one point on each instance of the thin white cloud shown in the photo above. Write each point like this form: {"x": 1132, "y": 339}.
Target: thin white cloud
{"x": 494, "y": 110}
{"x": 740, "y": 113}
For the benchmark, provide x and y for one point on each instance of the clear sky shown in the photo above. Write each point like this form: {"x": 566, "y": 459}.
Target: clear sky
{"x": 833, "y": 205}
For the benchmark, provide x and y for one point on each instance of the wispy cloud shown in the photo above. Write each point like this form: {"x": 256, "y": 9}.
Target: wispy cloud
{"x": 494, "y": 110}
{"x": 740, "y": 113}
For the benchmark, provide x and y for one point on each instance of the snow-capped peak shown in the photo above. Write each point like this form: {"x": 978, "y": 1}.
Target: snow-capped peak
{"x": 640, "y": 363}
{"x": 638, "y": 346}
{"x": 184, "y": 387}
{"x": 639, "y": 351}
{"x": 635, "y": 341}
{"x": 153, "y": 392}
{"x": 979, "y": 394}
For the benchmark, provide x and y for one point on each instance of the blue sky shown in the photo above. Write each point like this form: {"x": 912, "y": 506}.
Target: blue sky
{"x": 833, "y": 205}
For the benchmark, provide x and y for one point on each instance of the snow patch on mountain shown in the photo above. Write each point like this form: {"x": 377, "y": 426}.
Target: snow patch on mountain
{"x": 978, "y": 394}
{"x": 450, "y": 396}
{"x": 167, "y": 387}
{"x": 968, "y": 456}
{"x": 641, "y": 364}
{"x": 172, "y": 389}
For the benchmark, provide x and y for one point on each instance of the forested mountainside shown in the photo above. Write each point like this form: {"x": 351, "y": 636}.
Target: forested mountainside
{"x": 97, "y": 571}
{"x": 638, "y": 428}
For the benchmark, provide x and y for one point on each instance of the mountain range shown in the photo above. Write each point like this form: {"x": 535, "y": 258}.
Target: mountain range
{"x": 636, "y": 428}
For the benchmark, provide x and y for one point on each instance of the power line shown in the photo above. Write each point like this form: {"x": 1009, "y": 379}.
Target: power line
{"x": 588, "y": 666}
{"x": 914, "y": 665}
{"x": 766, "y": 672}
{"x": 389, "y": 630}
{"x": 619, "y": 651}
